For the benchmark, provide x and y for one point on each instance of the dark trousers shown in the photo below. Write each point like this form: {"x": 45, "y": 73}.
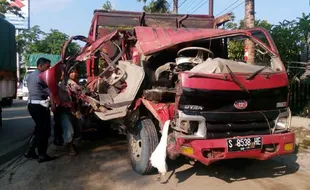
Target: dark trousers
{"x": 57, "y": 125}
{"x": 42, "y": 118}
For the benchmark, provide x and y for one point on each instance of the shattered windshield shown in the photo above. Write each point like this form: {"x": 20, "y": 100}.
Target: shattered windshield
{"x": 244, "y": 55}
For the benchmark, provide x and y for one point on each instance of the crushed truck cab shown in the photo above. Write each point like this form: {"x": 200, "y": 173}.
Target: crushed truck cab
{"x": 182, "y": 91}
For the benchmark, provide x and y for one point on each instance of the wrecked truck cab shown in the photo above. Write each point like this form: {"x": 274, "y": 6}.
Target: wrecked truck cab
{"x": 194, "y": 82}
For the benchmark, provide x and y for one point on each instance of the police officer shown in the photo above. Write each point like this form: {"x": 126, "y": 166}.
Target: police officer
{"x": 38, "y": 107}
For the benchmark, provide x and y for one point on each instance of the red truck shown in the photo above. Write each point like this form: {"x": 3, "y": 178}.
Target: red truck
{"x": 173, "y": 76}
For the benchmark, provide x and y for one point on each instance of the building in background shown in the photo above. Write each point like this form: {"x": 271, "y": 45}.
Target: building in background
{"x": 18, "y": 22}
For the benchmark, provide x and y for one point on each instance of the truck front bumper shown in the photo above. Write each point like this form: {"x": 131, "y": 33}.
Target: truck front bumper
{"x": 209, "y": 151}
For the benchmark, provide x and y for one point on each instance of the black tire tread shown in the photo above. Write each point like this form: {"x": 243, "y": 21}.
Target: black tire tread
{"x": 150, "y": 129}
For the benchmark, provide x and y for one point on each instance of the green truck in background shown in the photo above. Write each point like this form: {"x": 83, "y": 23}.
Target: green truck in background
{"x": 8, "y": 69}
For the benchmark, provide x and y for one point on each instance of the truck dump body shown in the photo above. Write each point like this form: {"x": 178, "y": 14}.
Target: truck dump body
{"x": 8, "y": 75}
{"x": 7, "y": 48}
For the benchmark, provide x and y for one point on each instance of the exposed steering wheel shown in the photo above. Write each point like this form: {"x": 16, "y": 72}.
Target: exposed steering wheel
{"x": 200, "y": 52}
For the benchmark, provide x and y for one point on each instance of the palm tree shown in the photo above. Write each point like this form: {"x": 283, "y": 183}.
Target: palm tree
{"x": 156, "y": 6}
{"x": 303, "y": 26}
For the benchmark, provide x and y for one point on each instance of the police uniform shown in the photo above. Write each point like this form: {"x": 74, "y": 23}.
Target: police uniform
{"x": 38, "y": 107}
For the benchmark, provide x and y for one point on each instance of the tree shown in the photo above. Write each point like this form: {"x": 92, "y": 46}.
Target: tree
{"x": 107, "y": 6}
{"x": 36, "y": 41}
{"x": 5, "y": 7}
{"x": 156, "y": 6}
{"x": 286, "y": 38}
{"x": 285, "y": 35}
{"x": 303, "y": 27}
{"x": 28, "y": 38}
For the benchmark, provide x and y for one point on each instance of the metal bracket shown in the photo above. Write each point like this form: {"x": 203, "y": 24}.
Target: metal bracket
{"x": 179, "y": 21}
{"x": 142, "y": 20}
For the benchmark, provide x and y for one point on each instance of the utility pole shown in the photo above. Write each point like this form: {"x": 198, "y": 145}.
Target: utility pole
{"x": 249, "y": 23}
{"x": 175, "y": 6}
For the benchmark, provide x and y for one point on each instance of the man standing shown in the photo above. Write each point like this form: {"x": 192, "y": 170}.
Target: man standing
{"x": 38, "y": 107}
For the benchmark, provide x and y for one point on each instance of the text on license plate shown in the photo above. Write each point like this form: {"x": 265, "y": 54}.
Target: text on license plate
{"x": 241, "y": 144}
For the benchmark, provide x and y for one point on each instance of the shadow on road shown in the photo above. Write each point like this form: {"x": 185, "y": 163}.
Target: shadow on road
{"x": 239, "y": 169}
{"x": 227, "y": 170}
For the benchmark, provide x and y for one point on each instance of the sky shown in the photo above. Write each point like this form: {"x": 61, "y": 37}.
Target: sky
{"x": 73, "y": 17}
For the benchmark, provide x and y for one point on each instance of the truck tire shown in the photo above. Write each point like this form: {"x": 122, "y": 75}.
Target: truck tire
{"x": 142, "y": 141}
{"x": 7, "y": 102}
{"x": 10, "y": 102}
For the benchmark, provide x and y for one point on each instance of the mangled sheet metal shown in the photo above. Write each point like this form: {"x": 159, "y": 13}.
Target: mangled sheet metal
{"x": 218, "y": 66}
{"x": 152, "y": 40}
{"x": 91, "y": 49}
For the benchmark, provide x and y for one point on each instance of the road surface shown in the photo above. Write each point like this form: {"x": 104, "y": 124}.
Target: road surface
{"x": 17, "y": 127}
{"x": 103, "y": 163}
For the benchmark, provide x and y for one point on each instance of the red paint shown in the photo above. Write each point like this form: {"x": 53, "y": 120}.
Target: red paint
{"x": 136, "y": 56}
{"x": 152, "y": 40}
{"x": 51, "y": 77}
{"x": 90, "y": 49}
{"x": 220, "y": 146}
{"x": 259, "y": 82}
{"x": 161, "y": 111}
{"x": 17, "y": 3}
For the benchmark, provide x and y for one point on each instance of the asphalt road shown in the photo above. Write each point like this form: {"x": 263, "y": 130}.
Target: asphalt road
{"x": 103, "y": 163}
{"x": 16, "y": 129}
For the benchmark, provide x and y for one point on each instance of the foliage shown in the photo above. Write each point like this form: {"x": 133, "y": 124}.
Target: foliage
{"x": 236, "y": 50}
{"x": 303, "y": 27}
{"x": 107, "y": 6}
{"x": 289, "y": 36}
{"x": 35, "y": 40}
{"x": 287, "y": 40}
{"x": 6, "y": 8}
{"x": 156, "y": 6}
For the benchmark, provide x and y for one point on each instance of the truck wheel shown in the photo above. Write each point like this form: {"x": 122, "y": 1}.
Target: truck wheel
{"x": 142, "y": 141}
{"x": 7, "y": 102}
{"x": 10, "y": 102}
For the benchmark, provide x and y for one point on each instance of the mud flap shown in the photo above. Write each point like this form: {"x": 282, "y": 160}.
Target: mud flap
{"x": 158, "y": 157}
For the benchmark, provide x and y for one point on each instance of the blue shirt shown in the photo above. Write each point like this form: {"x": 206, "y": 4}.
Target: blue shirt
{"x": 37, "y": 89}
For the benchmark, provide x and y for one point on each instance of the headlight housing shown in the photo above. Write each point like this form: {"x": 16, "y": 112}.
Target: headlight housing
{"x": 283, "y": 122}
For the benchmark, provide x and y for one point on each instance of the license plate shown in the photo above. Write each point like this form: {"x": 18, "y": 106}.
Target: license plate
{"x": 243, "y": 144}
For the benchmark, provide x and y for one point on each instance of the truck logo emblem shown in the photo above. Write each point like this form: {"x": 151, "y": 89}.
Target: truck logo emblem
{"x": 241, "y": 104}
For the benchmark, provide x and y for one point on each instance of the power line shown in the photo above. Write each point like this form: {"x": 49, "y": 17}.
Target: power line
{"x": 200, "y": 6}
{"x": 190, "y": 5}
{"x": 236, "y": 6}
{"x": 227, "y": 7}
{"x": 182, "y": 3}
{"x": 195, "y": 6}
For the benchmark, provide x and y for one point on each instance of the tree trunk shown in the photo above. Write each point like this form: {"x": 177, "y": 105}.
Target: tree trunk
{"x": 175, "y": 6}
{"x": 249, "y": 23}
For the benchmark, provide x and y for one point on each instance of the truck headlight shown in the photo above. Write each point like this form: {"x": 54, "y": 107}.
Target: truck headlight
{"x": 283, "y": 122}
